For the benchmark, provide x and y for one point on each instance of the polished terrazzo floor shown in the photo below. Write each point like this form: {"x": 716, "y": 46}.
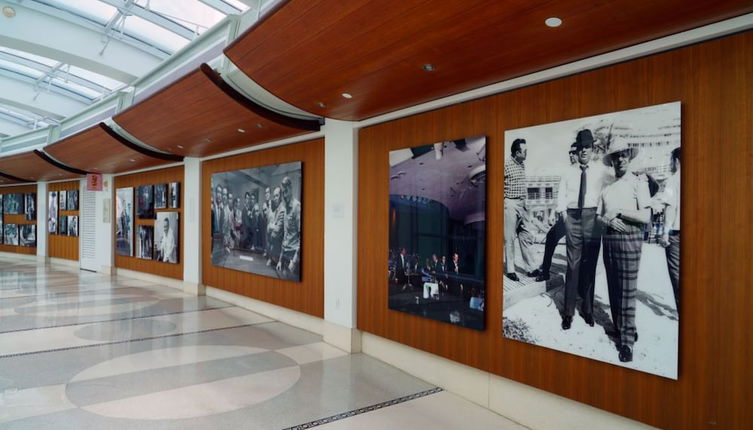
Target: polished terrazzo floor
{"x": 81, "y": 350}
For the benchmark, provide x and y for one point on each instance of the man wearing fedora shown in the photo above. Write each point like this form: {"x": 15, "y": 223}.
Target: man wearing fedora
{"x": 624, "y": 210}
{"x": 577, "y": 199}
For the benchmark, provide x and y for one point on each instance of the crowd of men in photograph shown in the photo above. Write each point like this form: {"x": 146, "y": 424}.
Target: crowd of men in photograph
{"x": 271, "y": 227}
{"x": 599, "y": 202}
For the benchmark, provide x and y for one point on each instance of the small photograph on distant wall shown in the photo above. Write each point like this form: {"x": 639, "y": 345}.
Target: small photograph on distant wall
{"x": 145, "y": 242}
{"x": 166, "y": 231}
{"x": 30, "y": 206}
{"x": 13, "y": 204}
{"x": 256, "y": 220}
{"x": 72, "y": 225}
{"x": 145, "y": 200}
{"x": 52, "y": 212}
{"x": 2, "y": 209}
{"x": 174, "y": 195}
{"x": 437, "y": 231}
{"x": 124, "y": 221}
{"x": 63, "y": 225}
{"x": 72, "y": 200}
{"x": 27, "y": 235}
{"x": 2, "y": 238}
{"x": 592, "y": 237}
{"x": 63, "y": 200}
{"x": 10, "y": 234}
{"x": 160, "y": 196}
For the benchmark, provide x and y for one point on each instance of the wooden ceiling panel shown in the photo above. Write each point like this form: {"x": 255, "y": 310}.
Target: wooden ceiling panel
{"x": 95, "y": 150}
{"x": 376, "y": 50}
{"x": 6, "y": 180}
{"x": 201, "y": 115}
{"x": 32, "y": 167}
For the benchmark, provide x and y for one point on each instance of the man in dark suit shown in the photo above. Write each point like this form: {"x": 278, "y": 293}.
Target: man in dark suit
{"x": 402, "y": 263}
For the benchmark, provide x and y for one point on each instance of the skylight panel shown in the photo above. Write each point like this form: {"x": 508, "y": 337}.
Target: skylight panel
{"x": 192, "y": 14}
{"x": 153, "y": 33}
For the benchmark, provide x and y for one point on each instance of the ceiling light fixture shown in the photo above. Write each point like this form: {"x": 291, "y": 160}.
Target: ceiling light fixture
{"x": 180, "y": 146}
{"x": 321, "y": 104}
{"x": 240, "y": 130}
{"x": 9, "y": 12}
{"x": 429, "y": 67}
{"x": 259, "y": 125}
{"x": 553, "y": 22}
{"x": 132, "y": 160}
{"x": 347, "y": 95}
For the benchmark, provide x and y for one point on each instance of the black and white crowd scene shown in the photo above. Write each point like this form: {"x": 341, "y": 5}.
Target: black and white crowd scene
{"x": 256, "y": 220}
{"x": 436, "y": 265}
{"x": 592, "y": 224}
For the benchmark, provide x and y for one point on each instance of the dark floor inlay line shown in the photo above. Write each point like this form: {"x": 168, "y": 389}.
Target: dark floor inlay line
{"x": 359, "y": 411}
{"x": 117, "y": 319}
{"x": 68, "y": 293}
{"x": 141, "y": 339}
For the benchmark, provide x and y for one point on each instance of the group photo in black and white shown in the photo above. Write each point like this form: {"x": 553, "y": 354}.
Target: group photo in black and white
{"x": 256, "y": 220}
{"x": 437, "y": 231}
{"x": 591, "y": 237}
{"x": 52, "y": 212}
{"x": 13, "y": 204}
{"x": 166, "y": 234}
{"x": 30, "y": 206}
{"x": 124, "y": 221}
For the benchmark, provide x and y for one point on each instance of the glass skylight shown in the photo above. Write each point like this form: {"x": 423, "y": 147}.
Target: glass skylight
{"x": 192, "y": 14}
{"x": 153, "y": 33}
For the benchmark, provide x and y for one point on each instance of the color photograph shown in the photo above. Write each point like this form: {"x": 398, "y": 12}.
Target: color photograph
{"x": 437, "y": 231}
{"x": 166, "y": 235}
{"x": 145, "y": 198}
{"x": 592, "y": 235}
{"x": 124, "y": 221}
{"x": 256, "y": 220}
{"x": 52, "y": 212}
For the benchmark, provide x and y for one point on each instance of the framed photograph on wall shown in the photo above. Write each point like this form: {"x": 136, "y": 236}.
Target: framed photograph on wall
{"x": 174, "y": 195}
{"x": 124, "y": 221}
{"x": 2, "y": 238}
{"x": 145, "y": 242}
{"x": 10, "y": 233}
{"x": 160, "y": 196}
{"x": 13, "y": 204}
{"x": 256, "y": 220}
{"x": 63, "y": 225}
{"x": 27, "y": 235}
{"x": 437, "y": 231}
{"x": 30, "y": 206}
{"x": 592, "y": 237}
{"x": 145, "y": 199}
{"x": 52, "y": 212}
{"x": 72, "y": 225}
{"x": 63, "y": 200}
{"x": 167, "y": 234}
{"x": 72, "y": 200}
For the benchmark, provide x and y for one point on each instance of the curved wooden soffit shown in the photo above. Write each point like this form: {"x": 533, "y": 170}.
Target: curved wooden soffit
{"x": 58, "y": 164}
{"x": 138, "y": 148}
{"x": 268, "y": 114}
{"x": 14, "y": 178}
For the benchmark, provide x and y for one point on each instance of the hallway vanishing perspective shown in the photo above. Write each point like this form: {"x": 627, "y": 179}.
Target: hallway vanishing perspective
{"x": 80, "y": 350}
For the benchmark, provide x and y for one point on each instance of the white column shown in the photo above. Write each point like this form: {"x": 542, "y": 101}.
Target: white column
{"x": 192, "y": 227}
{"x": 105, "y": 209}
{"x": 41, "y": 221}
{"x": 340, "y": 274}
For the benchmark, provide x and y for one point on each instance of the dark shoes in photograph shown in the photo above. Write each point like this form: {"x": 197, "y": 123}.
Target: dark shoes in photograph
{"x": 534, "y": 273}
{"x": 626, "y": 353}
{"x": 589, "y": 319}
{"x": 567, "y": 321}
{"x": 541, "y": 277}
{"x": 513, "y": 276}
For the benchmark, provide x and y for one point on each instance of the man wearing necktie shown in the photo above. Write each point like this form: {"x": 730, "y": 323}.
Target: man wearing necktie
{"x": 577, "y": 198}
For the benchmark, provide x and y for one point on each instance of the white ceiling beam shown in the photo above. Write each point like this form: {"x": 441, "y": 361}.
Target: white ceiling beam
{"x": 79, "y": 45}
{"x": 128, "y": 8}
{"x": 222, "y": 7}
{"x": 15, "y": 93}
{"x": 47, "y": 70}
{"x": 10, "y": 127}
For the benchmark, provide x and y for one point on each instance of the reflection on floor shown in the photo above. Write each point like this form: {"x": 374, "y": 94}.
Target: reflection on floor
{"x": 80, "y": 350}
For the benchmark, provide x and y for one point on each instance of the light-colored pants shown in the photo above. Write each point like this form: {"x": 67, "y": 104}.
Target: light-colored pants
{"x": 515, "y": 215}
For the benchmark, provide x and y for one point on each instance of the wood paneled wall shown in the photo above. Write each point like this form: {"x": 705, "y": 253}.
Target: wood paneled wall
{"x": 154, "y": 177}
{"x": 305, "y": 296}
{"x": 714, "y": 82}
{"x": 18, "y": 219}
{"x": 59, "y": 246}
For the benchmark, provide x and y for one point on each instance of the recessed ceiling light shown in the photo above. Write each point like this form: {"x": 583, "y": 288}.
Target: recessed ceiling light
{"x": 132, "y": 160}
{"x": 9, "y": 12}
{"x": 208, "y": 140}
{"x": 429, "y": 67}
{"x": 347, "y": 95}
{"x": 321, "y": 104}
{"x": 259, "y": 125}
{"x": 180, "y": 146}
{"x": 553, "y": 22}
{"x": 240, "y": 130}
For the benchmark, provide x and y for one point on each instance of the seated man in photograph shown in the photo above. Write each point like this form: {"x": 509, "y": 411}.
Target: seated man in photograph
{"x": 166, "y": 250}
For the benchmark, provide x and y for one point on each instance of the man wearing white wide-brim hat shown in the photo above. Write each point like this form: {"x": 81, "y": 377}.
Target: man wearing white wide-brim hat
{"x": 624, "y": 208}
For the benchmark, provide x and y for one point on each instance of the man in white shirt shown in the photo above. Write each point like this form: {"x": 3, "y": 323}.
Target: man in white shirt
{"x": 577, "y": 199}
{"x": 167, "y": 244}
{"x": 671, "y": 237}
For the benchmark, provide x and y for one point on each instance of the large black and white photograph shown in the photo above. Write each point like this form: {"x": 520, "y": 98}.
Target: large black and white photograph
{"x": 124, "y": 221}
{"x": 13, "y": 204}
{"x": 145, "y": 242}
{"x": 10, "y": 234}
{"x": 437, "y": 231}
{"x": 27, "y": 235}
{"x": 174, "y": 195}
{"x": 145, "y": 201}
{"x": 52, "y": 212}
{"x": 166, "y": 234}
{"x": 63, "y": 225}
{"x": 256, "y": 220}
{"x": 30, "y": 206}
{"x": 72, "y": 198}
{"x": 160, "y": 196}
{"x": 592, "y": 237}
{"x": 63, "y": 200}
{"x": 72, "y": 225}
